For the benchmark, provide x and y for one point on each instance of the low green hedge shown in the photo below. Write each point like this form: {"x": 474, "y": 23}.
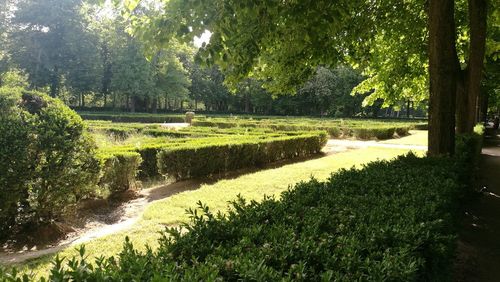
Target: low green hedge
{"x": 119, "y": 171}
{"x": 142, "y": 118}
{"x": 196, "y": 161}
{"x": 335, "y": 128}
{"x": 390, "y": 221}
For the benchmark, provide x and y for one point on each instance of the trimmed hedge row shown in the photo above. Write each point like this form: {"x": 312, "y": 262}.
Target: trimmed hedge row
{"x": 143, "y": 118}
{"x": 390, "y": 221}
{"x": 188, "y": 162}
{"x": 119, "y": 171}
{"x": 335, "y": 129}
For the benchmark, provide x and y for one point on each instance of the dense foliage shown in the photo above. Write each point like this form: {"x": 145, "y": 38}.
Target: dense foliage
{"x": 83, "y": 53}
{"x": 407, "y": 50}
{"x": 47, "y": 160}
{"x": 392, "y": 220}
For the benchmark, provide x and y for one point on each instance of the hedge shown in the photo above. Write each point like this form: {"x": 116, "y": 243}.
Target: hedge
{"x": 196, "y": 161}
{"x": 143, "y": 118}
{"x": 335, "y": 128}
{"x": 119, "y": 171}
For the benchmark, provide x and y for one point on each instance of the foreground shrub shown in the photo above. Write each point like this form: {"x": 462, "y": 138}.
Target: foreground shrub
{"x": 390, "y": 221}
{"x": 47, "y": 160}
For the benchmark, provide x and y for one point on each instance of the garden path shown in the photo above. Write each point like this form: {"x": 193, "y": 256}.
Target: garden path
{"x": 479, "y": 244}
{"x": 336, "y": 144}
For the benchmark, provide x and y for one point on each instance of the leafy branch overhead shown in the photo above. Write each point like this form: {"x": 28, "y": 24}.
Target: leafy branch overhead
{"x": 282, "y": 42}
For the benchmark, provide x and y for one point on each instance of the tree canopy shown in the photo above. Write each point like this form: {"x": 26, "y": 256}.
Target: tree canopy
{"x": 282, "y": 43}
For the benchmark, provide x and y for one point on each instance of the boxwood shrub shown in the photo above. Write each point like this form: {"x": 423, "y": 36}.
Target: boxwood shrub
{"x": 47, "y": 160}
{"x": 119, "y": 171}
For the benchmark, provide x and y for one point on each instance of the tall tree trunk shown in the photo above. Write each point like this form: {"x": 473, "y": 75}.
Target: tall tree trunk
{"x": 443, "y": 66}
{"x": 132, "y": 104}
{"x": 408, "y": 108}
{"x": 469, "y": 88}
{"x": 247, "y": 103}
{"x": 477, "y": 22}
{"x": 462, "y": 105}
{"x": 154, "y": 105}
{"x": 54, "y": 82}
{"x": 107, "y": 72}
{"x": 484, "y": 97}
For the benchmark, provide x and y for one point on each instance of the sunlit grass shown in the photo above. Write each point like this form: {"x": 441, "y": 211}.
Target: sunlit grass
{"x": 253, "y": 186}
{"x": 416, "y": 137}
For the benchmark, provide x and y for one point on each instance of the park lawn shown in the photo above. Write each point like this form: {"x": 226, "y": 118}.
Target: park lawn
{"x": 416, "y": 137}
{"x": 172, "y": 211}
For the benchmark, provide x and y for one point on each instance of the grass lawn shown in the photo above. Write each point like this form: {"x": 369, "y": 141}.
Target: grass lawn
{"x": 416, "y": 137}
{"x": 171, "y": 211}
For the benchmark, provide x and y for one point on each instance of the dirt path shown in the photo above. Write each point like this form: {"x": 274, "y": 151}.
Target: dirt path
{"x": 479, "y": 240}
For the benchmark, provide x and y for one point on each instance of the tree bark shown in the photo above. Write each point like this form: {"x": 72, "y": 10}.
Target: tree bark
{"x": 107, "y": 73}
{"x": 477, "y": 22}
{"x": 154, "y": 105}
{"x": 408, "y": 108}
{"x": 443, "y": 66}
{"x": 132, "y": 104}
{"x": 462, "y": 105}
{"x": 54, "y": 82}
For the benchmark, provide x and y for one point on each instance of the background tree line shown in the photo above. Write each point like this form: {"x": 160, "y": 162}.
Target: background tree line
{"x": 82, "y": 53}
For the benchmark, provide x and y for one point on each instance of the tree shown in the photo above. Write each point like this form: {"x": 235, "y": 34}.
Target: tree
{"x": 288, "y": 40}
{"x": 4, "y": 24}
{"x": 50, "y": 42}
{"x": 132, "y": 74}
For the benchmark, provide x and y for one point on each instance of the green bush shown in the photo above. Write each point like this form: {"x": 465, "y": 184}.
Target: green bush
{"x": 120, "y": 171}
{"x": 149, "y": 166}
{"x": 48, "y": 161}
{"x": 390, "y": 221}
{"x": 380, "y": 133}
{"x": 15, "y": 158}
{"x": 190, "y": 161}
